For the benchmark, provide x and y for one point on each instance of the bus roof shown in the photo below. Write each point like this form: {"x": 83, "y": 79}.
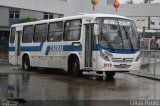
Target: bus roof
{"x": 71, "y": 17}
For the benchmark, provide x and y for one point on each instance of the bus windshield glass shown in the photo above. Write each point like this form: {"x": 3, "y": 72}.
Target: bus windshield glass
{"x": 117, "y": 34}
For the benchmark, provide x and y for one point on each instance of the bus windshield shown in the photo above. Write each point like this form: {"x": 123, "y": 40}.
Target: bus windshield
{"x": 117, "y": 34}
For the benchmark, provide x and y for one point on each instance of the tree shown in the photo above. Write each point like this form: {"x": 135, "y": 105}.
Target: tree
{"x": 129, "y": 2}
{"x": 28, "y": 19}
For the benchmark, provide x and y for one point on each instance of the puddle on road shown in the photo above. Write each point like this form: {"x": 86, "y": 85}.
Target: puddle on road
{"x": 60, "y": 86}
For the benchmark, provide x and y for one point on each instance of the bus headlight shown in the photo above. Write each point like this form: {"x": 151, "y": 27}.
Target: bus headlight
{"x": 104, "y": 56}
{"x": 138, "y": 57}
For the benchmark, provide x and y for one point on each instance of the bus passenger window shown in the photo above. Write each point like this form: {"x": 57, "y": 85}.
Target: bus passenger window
{"x": 27, "y": 34}
{"x": 55, "y": 31}
{"x": 72, "y": 30}
{"x": 40, "y": 33}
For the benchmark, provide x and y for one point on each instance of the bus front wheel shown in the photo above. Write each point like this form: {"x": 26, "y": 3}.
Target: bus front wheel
{"x": 75, "y": 68}
{"x": 110, "y": 74}
{"x": 26, "y": 63}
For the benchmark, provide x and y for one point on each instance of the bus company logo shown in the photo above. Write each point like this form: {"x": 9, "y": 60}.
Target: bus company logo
{"x": 123, "y": 59}
{"x": 54, "y": 48}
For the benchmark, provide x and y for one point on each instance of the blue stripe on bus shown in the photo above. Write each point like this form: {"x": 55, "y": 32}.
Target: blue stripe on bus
{"x": 39, "y": 48}
{"x": 66, "y": 48}
{"x": 32, "y": 48}
{"x": 70, "y": 48}
{"x": 120, "y": 51}
{"x": 47, "y": 50}
{"x": 11, "y": 49}
{"x": 28, "y": 48}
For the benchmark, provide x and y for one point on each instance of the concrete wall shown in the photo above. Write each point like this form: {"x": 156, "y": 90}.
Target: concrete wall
{"x": 141, "y": 22}
{"x": 4, "y": 16}
{"x": 156, "y": 24}
{"x": 53, "y": 6}
{"x": 147, "y": 22}
{"x": 5, "y": 21}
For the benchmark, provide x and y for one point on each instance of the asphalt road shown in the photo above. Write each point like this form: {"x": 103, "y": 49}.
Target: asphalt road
{"x": 56, "y": 86}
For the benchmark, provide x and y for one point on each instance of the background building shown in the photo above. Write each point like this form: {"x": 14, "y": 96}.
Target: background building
{"x": 13, "y": 11}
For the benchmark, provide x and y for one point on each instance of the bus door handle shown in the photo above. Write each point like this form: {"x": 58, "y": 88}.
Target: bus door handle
{"x": 76, "y": 44}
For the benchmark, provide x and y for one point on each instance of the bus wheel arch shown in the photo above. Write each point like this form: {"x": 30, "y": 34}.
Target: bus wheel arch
{"x": 26, "y": 62}
{"x": 74, "y": 65}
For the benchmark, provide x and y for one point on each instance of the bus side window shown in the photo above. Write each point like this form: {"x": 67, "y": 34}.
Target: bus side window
{"x": 40, "y": 33}
{"x": 12, "y": 35}
{"x": 55, "y": 31}
{"x": 28, "y": 34}
{"x": 72, "y": 30}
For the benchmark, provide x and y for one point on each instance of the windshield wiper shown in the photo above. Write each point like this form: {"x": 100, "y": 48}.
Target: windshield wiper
{"x": 108, "y": 43}
{"x": 129, "y": 39}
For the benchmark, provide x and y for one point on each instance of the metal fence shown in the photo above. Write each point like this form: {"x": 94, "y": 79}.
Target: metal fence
{"x": 150, "y": 62}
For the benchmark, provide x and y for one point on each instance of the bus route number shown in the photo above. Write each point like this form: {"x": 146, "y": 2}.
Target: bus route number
{"x": 54, "y": 48}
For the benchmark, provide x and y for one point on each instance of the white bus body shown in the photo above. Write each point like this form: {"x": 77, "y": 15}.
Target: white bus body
{"x": 71, "y": 43}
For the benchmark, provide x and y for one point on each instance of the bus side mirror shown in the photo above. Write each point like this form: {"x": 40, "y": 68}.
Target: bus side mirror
{"x": 96, "y": 29}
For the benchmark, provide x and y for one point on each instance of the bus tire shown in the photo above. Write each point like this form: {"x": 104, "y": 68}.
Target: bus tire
{"x": 110, "y": 74}
{"x": 26, "y": 63}
{"x": 75, "y": 68}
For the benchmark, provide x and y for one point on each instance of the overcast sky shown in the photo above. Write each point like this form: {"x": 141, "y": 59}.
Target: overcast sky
{"x": 137, "y": 1}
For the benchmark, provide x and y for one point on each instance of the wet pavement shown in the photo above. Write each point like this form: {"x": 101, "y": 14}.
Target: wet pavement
{"x": 57, "y": 85}
{"x": 150, "y": 65}
{"x": 52, "y": 87}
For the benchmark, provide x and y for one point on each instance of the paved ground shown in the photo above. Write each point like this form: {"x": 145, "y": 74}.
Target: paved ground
{"x": 57, "y": 87}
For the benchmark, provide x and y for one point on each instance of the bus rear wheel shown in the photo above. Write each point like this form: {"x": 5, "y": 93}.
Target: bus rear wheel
{"x": 110, "y": 74}
{"x": 75, "y": 68}
{"x": 26, "y": 63}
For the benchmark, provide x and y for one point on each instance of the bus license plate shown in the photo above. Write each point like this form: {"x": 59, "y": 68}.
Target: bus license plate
{"x": 123, "y": 65}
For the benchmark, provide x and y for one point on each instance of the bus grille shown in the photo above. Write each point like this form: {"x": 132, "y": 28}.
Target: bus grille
{"x": 122, "y": 59}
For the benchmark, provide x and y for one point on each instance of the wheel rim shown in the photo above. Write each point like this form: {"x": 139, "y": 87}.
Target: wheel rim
{"x": 25, "y": 65}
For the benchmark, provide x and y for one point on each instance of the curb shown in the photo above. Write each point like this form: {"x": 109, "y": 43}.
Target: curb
{"x": 145, "y": 76}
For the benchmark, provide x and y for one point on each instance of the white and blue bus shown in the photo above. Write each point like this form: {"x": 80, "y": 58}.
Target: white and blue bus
{"x": 87, "y": 42}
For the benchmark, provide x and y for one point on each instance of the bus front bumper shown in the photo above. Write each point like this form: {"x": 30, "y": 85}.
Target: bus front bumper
{"x": 117, "y": 66}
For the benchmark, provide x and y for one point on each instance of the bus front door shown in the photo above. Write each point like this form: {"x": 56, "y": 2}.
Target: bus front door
{"x": 88, "y": 45}
{"x": 18, "y": 48}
